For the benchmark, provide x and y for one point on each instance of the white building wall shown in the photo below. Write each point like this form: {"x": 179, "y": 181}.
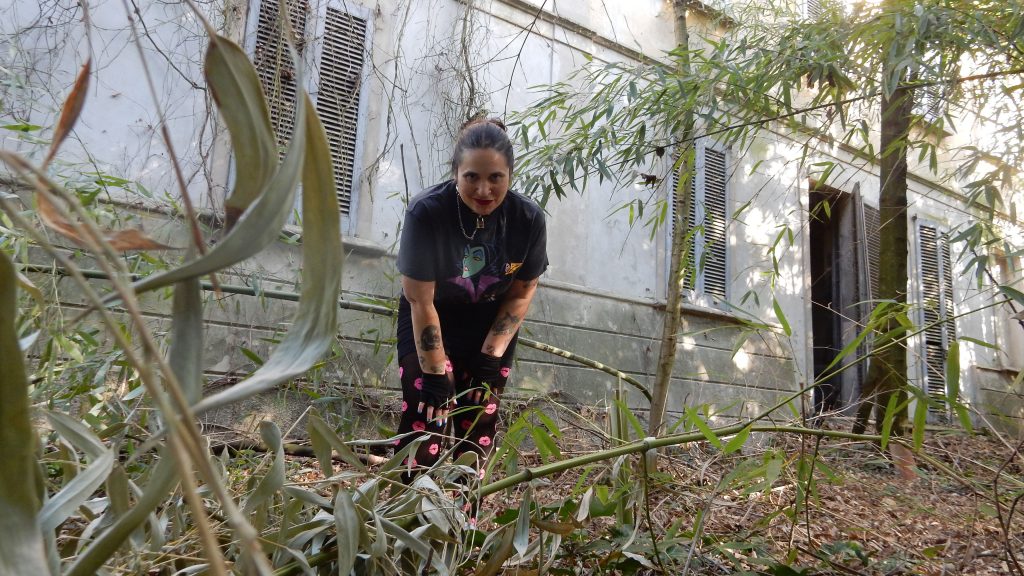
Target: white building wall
{"x": 407, "y": 142}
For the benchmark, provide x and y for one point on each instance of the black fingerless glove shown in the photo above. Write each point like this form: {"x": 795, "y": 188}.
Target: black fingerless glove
{"x": 437, "y": 390}
{"x": 487, "y": 370}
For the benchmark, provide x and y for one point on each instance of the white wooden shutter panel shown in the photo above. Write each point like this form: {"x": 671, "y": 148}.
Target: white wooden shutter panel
{"x": 813, "y": 9}
{"x": 274, "y": 64}
{"x": 707, "y": 252}
{"x": 689, "y": 278}
{"x": 936, "y": 279}
{"x": 713, "y": 258}
{"x": 872, "y": 224}
{"x": 341, "y": 72}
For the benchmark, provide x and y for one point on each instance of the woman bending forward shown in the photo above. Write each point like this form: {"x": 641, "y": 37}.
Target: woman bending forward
{"x": 470, "y": 256}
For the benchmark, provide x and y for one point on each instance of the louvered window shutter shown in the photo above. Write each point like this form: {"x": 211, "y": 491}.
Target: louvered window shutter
{"x": 690, "y": 279}
{"x": 341, "y": 73}
{"x": 867, "y": 257}
{"x": 274, "y": 64}
{"x": 813, "y": 9}
{"x": 707, "y": 217}
{"x": 936, "y": 281}
{"x": 871, "y": 248}
{"x": 341, "y": 61}
{"x": 713, "y": 258}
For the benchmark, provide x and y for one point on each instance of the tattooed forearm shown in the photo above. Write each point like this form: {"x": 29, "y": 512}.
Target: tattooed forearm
{"x": 430, "y": 368}
{"x": 430, "y": 338}
{"x": 506, "y": 324}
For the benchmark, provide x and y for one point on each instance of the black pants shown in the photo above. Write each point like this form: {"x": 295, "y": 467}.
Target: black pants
{"x": 471, "y": 425}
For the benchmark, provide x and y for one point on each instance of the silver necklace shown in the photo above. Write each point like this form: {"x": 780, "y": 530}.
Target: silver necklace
{"x": 462, "y": 227}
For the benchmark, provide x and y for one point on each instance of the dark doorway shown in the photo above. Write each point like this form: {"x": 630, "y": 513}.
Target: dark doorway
{"x": 835, "y": 296}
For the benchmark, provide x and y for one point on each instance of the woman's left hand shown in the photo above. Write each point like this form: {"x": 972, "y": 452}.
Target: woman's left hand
{"x": 488, "y": 376}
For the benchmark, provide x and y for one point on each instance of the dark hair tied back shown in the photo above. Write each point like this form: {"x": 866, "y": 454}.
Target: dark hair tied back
{"x": 483, "y": 133}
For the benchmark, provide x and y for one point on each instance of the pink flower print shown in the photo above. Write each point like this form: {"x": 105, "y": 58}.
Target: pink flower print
{"x": 433, "y": 449}
{"x": 401, "y": 371}
{"x": 482, "y": 472}
{"x": 405, "y": 405}
{"x": 491, "y": 408}
{"x": 419, "y": 426}
{"x": 447, "y": 365}
{"x": 397, "y": 442}
{"x": 485, "y": 440}
{"x": 505, "y": 371}
{"x": 410, "y": 462}
{"x": 465, "y": 424}
{"x": 418, "y": 384}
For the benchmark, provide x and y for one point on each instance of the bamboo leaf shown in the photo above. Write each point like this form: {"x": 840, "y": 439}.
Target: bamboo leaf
{"x": 737, "y": 441}
{"x": 348, "y": 525}
{"x": 782, "y": 317}
{"x": 503, "y": 552}
{"x": 920, "y": 418}
{"x": 521, "y": 540}
{"x": 700, "y": 424}
{"x": 162, "y": 482}
{"x": 274, "y": 478}
{"x": 58, "y": 508}
{"x": 71, "y": 110}
{"x": 235, "y": 88}
{"x": 888, "y": 419}
{"x": 315, "y": 323}
{"x": 21, "y": 540}
{"x": 325, "y": 441}
{"x": 953, "y": 372}
{"x": 77, "y": 434}
{"x": 186, "y": 353}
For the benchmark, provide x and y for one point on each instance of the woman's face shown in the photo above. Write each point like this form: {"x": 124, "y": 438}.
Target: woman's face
{"x": 482, "y": 179}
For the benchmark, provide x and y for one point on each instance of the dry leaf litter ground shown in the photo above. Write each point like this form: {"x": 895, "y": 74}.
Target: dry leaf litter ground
{"x": 861, "y": 517}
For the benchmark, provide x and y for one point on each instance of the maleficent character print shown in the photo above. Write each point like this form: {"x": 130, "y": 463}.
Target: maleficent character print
{"x": 471, "y": 252}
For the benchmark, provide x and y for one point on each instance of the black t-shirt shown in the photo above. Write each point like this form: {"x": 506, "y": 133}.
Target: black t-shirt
{"x": 470, "y": 276}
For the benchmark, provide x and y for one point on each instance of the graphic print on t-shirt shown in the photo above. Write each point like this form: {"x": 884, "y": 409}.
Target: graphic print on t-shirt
{"x": 473, "y": 261}
{"x": 474, "y": 279}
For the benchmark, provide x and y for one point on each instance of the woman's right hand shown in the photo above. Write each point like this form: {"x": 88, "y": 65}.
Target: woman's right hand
{"x": 436, "y": 396}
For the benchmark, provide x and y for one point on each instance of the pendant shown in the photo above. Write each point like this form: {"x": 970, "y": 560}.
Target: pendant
{"x": 479, "y": 222}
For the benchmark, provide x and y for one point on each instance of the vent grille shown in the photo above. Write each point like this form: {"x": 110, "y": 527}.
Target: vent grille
{"x": 341, "y": 70}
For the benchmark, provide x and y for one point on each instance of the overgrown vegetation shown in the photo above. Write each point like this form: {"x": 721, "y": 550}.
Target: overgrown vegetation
{"x": 107, "y": 470}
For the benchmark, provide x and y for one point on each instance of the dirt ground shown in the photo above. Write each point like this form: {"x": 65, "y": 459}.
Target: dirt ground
{"x": 861, "y": 515}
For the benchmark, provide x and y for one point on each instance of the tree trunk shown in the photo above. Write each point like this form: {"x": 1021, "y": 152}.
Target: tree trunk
{"x": 887, "y": 375}
{"x": 682, "y": 201}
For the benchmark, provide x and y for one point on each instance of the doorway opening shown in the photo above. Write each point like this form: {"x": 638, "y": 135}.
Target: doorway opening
{"x": 836, "y": 296}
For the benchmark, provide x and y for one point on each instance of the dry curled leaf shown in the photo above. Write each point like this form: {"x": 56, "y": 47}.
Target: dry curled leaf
{"x": 903, "y": 458}
{"x": 132, "y": 239}
{"x": 70, "y": 111}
